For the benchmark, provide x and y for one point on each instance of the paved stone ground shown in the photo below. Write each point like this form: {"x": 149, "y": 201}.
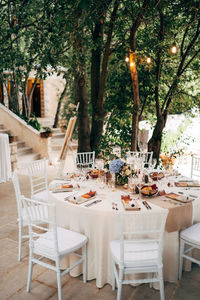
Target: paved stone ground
{"x": 13, "y": 274}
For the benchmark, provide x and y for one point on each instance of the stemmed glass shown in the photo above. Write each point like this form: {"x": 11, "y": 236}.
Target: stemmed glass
{"x": 152, "y": 164}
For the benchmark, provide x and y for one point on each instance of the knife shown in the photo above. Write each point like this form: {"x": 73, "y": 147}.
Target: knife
{"x": 92, "y": 203}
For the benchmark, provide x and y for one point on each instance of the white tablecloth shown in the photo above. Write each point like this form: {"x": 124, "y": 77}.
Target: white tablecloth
{"x": 5, "y": 163}
{"x": 99, "y": 224}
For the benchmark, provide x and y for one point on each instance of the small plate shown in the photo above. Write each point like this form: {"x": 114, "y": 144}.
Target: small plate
{"x": 148, "y": 191}
{"x": 157, "y": 175}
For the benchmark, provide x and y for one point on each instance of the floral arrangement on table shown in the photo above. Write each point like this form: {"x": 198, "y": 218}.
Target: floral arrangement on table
{"x": 168, "y": 160}
{"x": 121, "y": 171}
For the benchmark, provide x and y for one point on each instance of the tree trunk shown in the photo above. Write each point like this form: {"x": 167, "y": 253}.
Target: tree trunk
{"x": 83, "y": 119}
{"x": 162, "y": 114}
{"x": 136, "y": 102}
{"x": 29, "y": 97}
{"x": 95, "y": 81}
{"x": 154, "y": 143}
{"x": 59, "y": 105}
{"x": 133, "y": 68}
{"x": 98, "y": 104}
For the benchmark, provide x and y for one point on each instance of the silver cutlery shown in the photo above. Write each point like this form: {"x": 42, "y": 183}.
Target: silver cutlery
{"x": 146, "y": 204}
{"x": 92, "y": 203}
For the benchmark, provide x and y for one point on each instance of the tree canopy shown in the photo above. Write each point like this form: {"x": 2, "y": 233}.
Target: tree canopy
{"x": 90, "y": 40}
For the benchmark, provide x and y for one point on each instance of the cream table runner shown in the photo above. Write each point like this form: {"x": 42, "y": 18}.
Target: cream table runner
{"x": 179, "y": 216}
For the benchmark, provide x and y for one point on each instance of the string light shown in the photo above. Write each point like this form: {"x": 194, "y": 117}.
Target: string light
{"x": 132, "y": 64}
{"x": 173, "y": 48}
{"x": 148, "y": 59}
{"x": 127, "y": 59}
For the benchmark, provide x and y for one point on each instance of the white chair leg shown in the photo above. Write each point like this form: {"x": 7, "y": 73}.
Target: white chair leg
{"x": 84, "y": 264}
{"x": 59, "y": 285}
{"x": 151, "y": 283}
{"x": 162, "y": 291}
{"x": 182, "y": 245}
{"x": 20, "y": 242}
{"x": 119, "y": 291}
{"x": 113, "y": 275}
{"x": 30, "y": 269}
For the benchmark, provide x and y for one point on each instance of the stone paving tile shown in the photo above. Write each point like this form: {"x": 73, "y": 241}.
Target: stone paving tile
{"x": 7, "y": 230}
{"x": 77, "y": 290}
{"x": 7, "y": 263}
{"x": 6, "y": 245}
{"x": 49, "y": 278}
{"x": 38, "y": 291}
{"x": 15, "y": 279}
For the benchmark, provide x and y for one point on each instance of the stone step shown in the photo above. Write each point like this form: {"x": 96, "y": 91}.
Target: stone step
{"x": 56, "y": 130}
{"x": 24, "y": 150}
{"x": 4, "y": 131}
{"x": 20, "y": 144}
{"x": 23, "y": 160}
{"x": 58, "y": 135}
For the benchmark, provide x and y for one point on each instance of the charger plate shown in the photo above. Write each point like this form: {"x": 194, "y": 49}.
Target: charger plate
{"x": 80, "y": 200}
{"x": 180, "y": 198}
{"x": 128, "y": 206}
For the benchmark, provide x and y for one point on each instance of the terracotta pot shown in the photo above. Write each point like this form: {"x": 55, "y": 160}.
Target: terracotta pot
{"x": 11, "y": 139}
{"x": 45, "y": 134}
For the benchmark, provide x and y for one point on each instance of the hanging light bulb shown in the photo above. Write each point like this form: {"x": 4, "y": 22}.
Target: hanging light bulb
{"x": 148, "y": 59}
{"x": 173, "y": 48}
{"x": 127, "y": 59}
{"x": 132, "y": 64}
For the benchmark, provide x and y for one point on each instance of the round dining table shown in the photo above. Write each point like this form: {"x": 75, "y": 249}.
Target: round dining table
{"x": 5, "y": 161}
{"x": 99, "y": 222}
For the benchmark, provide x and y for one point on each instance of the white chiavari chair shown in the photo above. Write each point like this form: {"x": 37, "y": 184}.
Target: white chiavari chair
{"x": 37, "y": 171}
{"x": 52, "y": 242}
{"x": 139, "y": 249}
{"x": 195, "y": 166}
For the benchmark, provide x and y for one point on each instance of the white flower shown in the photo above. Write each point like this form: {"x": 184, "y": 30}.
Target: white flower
{"x": 127, "y": 172}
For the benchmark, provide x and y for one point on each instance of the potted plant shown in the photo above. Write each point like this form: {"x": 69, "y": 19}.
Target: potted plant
{"x": 46, "y": 132}
{"x": 11, "y": 138}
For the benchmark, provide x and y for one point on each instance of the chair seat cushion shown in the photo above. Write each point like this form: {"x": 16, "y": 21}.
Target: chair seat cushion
{"x": 192, "y": 234}
{"x": 137, "y": 253}
{"x": 68, "y": 241}
{"x": 42, "y": 196}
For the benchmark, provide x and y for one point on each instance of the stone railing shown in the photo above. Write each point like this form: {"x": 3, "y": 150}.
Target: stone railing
{"x": 25, "y": 133}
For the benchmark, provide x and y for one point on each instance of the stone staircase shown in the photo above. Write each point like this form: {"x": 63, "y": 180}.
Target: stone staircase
{"x": 24, "y": 153}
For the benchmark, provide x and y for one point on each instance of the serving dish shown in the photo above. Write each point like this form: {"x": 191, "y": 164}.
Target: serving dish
{"x": 149, "y": 190}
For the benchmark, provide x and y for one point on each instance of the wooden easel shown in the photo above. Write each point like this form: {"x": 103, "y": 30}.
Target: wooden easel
{"x": 66, "y": 144}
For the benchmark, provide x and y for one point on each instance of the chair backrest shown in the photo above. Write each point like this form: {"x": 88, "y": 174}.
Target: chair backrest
{"x": 18, "y": 194}
{"x": 142, "y": 227}
{"x": 38, "y": 176}
{"x": 146, "y": 157}
{"x": 195, "y": 166}
{"x": 85, "y": 159}
{"x": 44, "y": 214}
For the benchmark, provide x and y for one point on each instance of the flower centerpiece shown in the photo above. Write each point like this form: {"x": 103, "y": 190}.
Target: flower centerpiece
{"x": 168, "y": 160}
{"x": 121, "y": 171}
